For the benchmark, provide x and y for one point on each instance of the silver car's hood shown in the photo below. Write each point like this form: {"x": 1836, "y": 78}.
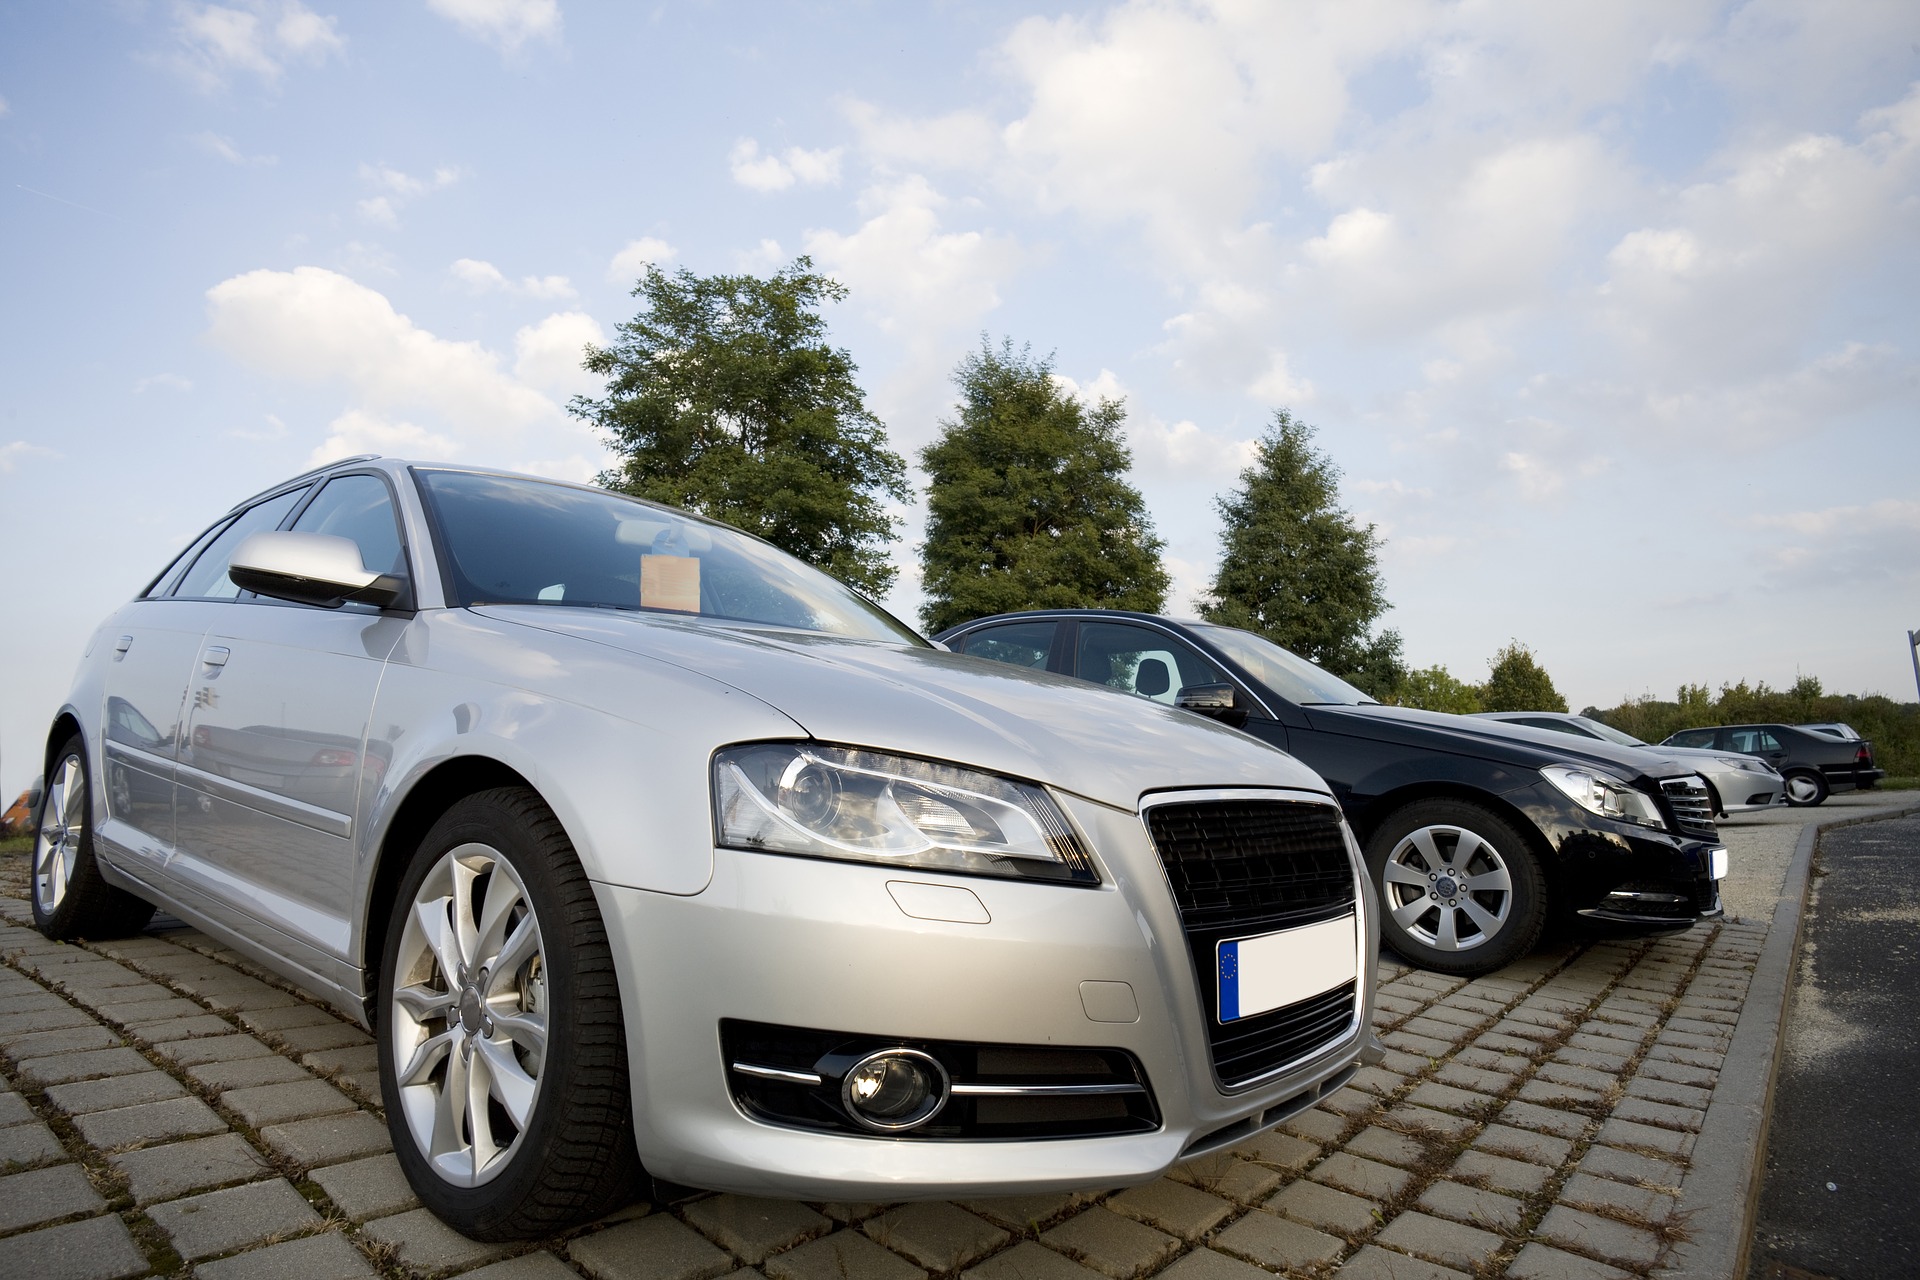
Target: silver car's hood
{"x": 1095, "y": 742}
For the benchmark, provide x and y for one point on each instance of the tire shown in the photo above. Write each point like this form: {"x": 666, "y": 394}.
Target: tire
{"x": 1806, "y": 788}
{"x": 1480, "y": 929}
{"x": 551, "y": 1144}
{"x": 71, "y": 899}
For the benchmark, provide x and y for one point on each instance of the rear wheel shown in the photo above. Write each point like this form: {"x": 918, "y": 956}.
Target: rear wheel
{"x": 70, "y": 897}
{"x": 1805, "y": 788}
{"x": 502, "y": 1051}
{"x": 1460, "y": 889}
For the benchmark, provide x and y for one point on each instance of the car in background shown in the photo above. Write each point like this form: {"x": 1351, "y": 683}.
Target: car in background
{"x": 1739, "y": 784}
{"x": 1474, "y": 831}
{"x": 1814, "y": 765}
{"x": 643, "y": 848}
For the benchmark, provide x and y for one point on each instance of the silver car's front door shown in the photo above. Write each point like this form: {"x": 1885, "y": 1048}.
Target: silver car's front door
{"x": 152, "y": 646}
{"x": 275, "y": 754}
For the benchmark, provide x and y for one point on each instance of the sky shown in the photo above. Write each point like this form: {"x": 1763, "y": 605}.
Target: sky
{"x": 1606, "y": 312}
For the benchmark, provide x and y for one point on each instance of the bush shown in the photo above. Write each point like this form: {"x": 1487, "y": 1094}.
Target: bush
{"x": 1892, "y": 727}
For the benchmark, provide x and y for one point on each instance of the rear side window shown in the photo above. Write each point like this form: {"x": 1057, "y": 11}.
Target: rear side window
{"x": 207, "y": 579}
{"x": 1018, "y": 644}
{"x": 1770, "y": 743}
{"x": 1693, "y": 738}
{"x": 1747, "y": 741}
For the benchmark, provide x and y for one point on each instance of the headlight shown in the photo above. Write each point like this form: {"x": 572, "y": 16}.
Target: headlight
{"x": 1747, "y": 764}
{"x": 841, "y": 802}
{"x": 1605, "y": 795}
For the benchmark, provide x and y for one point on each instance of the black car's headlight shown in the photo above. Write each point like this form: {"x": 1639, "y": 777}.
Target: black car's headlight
{"x": 842, "y": 802}
{"x": 1605, "y": 795}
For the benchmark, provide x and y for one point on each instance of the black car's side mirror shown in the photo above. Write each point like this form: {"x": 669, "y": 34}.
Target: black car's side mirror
{"x": 1216, "y": 700}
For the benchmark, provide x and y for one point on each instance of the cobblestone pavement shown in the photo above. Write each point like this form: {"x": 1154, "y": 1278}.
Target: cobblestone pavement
{"x": 167, "y": 1108}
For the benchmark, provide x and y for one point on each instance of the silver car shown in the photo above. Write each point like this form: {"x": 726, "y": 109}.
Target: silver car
{"x": 639, "y": 843}
{"x": 1735, "y": 783}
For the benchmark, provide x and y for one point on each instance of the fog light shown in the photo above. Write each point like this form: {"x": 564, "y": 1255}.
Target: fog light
{"x": 895, "y": 1090}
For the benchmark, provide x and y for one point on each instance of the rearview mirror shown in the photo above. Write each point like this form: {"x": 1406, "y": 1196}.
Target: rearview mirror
{"x": 1216, "y": 700}
{"x": 310, "y": 568}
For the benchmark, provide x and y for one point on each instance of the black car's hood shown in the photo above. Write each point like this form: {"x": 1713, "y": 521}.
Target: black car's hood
{"x": 1510, "y": 744}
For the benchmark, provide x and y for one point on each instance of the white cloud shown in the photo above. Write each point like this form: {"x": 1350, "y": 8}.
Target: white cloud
{"x": 379, "y": 211}
{"x": 959, "y": 140}
{"x": 215, "y": 42}
{"x": 1277, "y": 384}
{"x": 223, "y": 147}
{"x": 1872, "y": 542}
{"x": 1537, "y": 478}
{"x": 397, "y": 190}
{"x": 274, "y": 430}
{"x": 1188, "y": 450}
{"x": 5, "y": 109}
{"x": 548, "y": 354}
{"x": 778, "y": 172}
{"x": 15, "y": 452}
{"x": 355, "y": 432}
{"x": 484, "y": 277}
{"x": 632, "y": 262}
{"x": 504, "y": 24}
{"x": 164, "y": 382}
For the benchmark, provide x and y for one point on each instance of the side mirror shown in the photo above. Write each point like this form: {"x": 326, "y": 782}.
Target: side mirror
{"x": 310, "y": 568}
{"x": 1216, "y": 700}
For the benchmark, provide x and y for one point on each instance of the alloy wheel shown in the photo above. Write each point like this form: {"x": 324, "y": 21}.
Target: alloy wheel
{"x": 63, "y": 821}
{"x": 1802, "y": 789}
{"x": 468, "y": 1019}
{"x": 1447, "y": 887}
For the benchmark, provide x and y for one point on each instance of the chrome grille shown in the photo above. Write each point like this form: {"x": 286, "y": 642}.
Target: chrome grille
{"x": 1692, "y": 807}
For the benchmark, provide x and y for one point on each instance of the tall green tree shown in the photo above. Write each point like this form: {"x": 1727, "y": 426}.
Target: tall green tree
{"x": 725, "y": 397}
{"x": 1437, "y": 689}
{"x": 1028, "y": 505}
{"x": 1519, "y": 683}
{"x": 1295, "y": 568}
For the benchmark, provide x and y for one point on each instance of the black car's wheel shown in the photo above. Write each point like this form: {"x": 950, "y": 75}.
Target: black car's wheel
{"x": 1805, "y": 788}
{"x": 70, "y": 897}
{"x": 1460, "y": 889}
{"x": 502, "y": 1052}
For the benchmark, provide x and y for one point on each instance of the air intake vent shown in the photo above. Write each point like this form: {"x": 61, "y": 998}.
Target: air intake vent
{"x": 1692, "y": 807}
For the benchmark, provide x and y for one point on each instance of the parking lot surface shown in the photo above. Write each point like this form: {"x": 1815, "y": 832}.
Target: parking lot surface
{"x": 167, "y": 1108}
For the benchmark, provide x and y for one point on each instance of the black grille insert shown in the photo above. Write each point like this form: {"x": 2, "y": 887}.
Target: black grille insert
{"x": 1239, "y": 868}
{"x": 1692, "y": 807}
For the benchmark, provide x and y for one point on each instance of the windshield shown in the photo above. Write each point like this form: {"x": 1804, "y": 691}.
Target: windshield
{"x": 1610, "y": 733}
{"x": 1287, "y": 674}
{"x": 507, "y": 540}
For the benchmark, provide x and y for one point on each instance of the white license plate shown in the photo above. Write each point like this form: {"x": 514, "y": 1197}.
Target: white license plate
{"x": 1717, "y": 864}
{"x": 1267, "y": 972}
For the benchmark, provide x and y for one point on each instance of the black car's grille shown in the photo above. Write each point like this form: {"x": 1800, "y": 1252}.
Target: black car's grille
{"x": 1692, "y": 807}
{"x": 1240, "y": 868}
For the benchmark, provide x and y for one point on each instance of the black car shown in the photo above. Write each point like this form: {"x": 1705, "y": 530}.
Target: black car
{"x": 1813, "y": 764}
{"x": 1474, "y": 829}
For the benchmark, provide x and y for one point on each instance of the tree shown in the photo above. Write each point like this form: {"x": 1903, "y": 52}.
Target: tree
{"x": 1295, "y": 568}
{"x": 1028, "y": 506}
{"x": 724, "y": 397}
{"x": 1519, "y": 683}
{"x": 1436, "y": 689}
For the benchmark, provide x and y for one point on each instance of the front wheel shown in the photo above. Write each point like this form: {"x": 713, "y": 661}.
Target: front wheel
{"x": 502, "y": 1051}
{"x": 1460, "y": 890}
{"x": 71, "y": 899}
{"x": 1805, "y": 788}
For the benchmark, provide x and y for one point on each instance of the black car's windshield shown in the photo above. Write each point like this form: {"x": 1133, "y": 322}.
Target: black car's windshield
{"x": 1287, "y": 674}
{"x": 507, "y": 540}
{"x": 1610, "y": 733}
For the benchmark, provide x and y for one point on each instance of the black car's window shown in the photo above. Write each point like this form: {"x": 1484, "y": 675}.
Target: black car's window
{"x": 1140, "y": 660}
{"x": 1693, "y": 738}
{"x": 207, "y": 579}
{"x": 361, "y": 509}
{"x": 1018, "y": 644}
{"x": 1558, "y": 726}
{"x": 1287, "y": 674}
{"x": 1748, "y": 741}
{"x": 506, "y": 540}
{"x": 1770, "y": 743}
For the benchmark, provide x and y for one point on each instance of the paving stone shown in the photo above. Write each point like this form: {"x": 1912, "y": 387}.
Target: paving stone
{"x": 1375, "y": 1263}
{"x": 1463, "y": 1075}
{"x": 1585, "y": 1191}
{"x": 1428, "y": 1121}
{"x": 286, "y": 1017}
{"x": 328, "y": 1139}
{"x": 1316, "y": 1125}
{"x": 338, "y": 1035}
{"x": 849, "y": 1211}
{"x": 200, "y": 1024}
{"x": 329, "y": 1256}
{"x": 1454, "y": 1015}
{"x": 544, "y": 1266}
{"x": 138, "y": 1014}
{"x": 1581, "y": 1077}
{"x": 149, "y": 1122}
{"x": 43, "y": 1044}
{"x": 161, "y": 1173}
{"x": 1241, "y": 1181}
{"x": 1511, "y": 1064}
{"x": 1024, "y": 1213}
{"x": 1661, "y": 1114}
{"x": 1173, "y": 1207}
{"x": 358, "y": 1057}
{"x": 421, "y": 1240}
{"x": 657, "y": 1247}
{"x": 1350, "y": 1102}
{"x": 1551, "y": 1093}
{"x": 1322, "y": 1206}
{"x": 1433, "y": 1028}
{"x": 14, "y": 1109}
{"x": 367, "y": 1188}
{"x": 1679, "y": 1073}
{"x": 1690, "y": 1057}
{"x": 222, "y": 1221}
{"x": 1501, "y": 1042}
{"x": 29, "y": 1144}
{"x": 1423, "y": 1046}
{"x": 1362, "y": 1177}
{"x": 1281, "y": 1150}
{"x": 753, "y": 1228}
{"x": 848, "y": 1255}
{"x": 1273, "y": 1241}
{"x": 1625, "y": 1133}
{"x": 274, "y": 1103}
{"x": 941, "y": 1236}
{"x": 1387, "y": 1145}
{"x": 1377, "y": 1080}
{"x": 1487, "y": 1209}
{"x": 1452, "y": 1243}
{"x": 1529, "y": 1115}
{"x": 1631, "y": 1166}
{"x": 1524, "y": 1144}
{"x": 1110, "y": 1244}
{"x": 94, "y": 1249}
{"x": 1205, "y": 1264}
{"x": 114, "y": 1091}
{"x": 1406, "y": 1064}
{"x": 1543, "y": 1262}
{"x": 1600, "y": 1237}
{"x": 245, "y": 1073}
{"x": 1442, "y": 1097}
{"x": 1679, "y": 1095}
{"x": 228, "y": 1048}
{"x": 85, "y": 1065}
{"x": 41, "y": 1195}
{"x": 1612, "y": 1063}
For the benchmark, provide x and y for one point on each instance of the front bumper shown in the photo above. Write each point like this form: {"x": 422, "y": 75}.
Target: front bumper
{"x": 821, "y": 944}
{"x": 1621, "y": 874}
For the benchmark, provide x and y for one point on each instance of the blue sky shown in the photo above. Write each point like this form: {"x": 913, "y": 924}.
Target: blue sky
{"x": 1605, "y": 311}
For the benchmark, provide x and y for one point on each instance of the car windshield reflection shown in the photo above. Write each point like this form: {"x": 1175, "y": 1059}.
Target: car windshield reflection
{"x": 1287, "y": 674}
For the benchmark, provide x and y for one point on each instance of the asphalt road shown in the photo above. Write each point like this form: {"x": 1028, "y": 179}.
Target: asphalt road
{"x": 1843, "y": 1156}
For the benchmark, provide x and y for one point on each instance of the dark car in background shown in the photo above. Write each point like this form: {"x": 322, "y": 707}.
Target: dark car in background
{"x": 1814, "y": 764}
{"x": 1473, "y": 830}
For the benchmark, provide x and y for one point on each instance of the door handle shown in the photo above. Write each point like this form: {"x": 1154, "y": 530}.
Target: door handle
{"x": 216, "y": 655}
{"x": 121, "y": 646}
